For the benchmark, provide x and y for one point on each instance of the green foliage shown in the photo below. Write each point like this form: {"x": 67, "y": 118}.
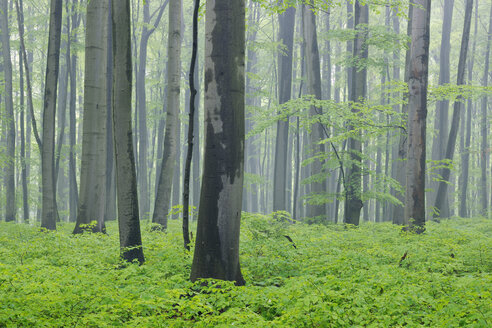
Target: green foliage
{"x": 321, "y": 276}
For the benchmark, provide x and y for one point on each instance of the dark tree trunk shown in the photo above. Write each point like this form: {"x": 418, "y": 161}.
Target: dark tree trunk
{"x": 49, "y": 213}
{"x": 126, "y": 180}
{"x": 353, "y": 199}
{"x": 217, "y": 242}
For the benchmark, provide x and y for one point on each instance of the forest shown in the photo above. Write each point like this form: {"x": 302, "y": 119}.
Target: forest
{"x": 252, "y": 163}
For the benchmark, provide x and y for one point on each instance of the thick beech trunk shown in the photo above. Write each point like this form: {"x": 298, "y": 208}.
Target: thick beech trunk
{"x": 217, "y": 242}
{"x": 417, "y": 115}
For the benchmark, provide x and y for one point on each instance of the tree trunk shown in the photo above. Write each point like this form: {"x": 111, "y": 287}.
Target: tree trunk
{"x": 453, "y": 134}
{"x": 9, "y": 172}
{"x": 165, "y": 182}
{"x": 49, "y": 213}
{"x": 286, "y": 38}
{"x": 126, "y": 180}
{"x": 314, "y": 88}
{"x": 417, "y": 114}
{"x": 217, "y": 242}
{"x": 92, "y": 201}
{"x": 353, "y": 199}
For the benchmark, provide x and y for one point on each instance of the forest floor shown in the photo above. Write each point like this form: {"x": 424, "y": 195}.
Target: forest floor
{"x": 372, "y": 276}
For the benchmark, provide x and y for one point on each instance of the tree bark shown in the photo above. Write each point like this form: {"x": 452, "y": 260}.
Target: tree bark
{"x": 453, "y": 134}
{"x": 417, "y": 114}
{"x": 126, "y": 179}
{"x": 165, "y": 182}
{"x": 217, "y": 242}
{"x": 49, "y": 213}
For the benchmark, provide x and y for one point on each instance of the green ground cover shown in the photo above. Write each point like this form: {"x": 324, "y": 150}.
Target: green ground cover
{"x": 335, "y": 277}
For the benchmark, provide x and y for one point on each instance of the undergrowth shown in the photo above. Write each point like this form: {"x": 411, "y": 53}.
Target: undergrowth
{"x": 297, "y": 276}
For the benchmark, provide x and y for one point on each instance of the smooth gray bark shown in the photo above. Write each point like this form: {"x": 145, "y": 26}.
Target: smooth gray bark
{"x": 92, "y": 195}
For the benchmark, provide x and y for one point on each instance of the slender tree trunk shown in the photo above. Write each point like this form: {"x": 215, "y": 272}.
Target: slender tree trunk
{"x": 191, "y": 128}
{"x": 442, "y": 107}
{"x": 126, "y": 180}
{"x": 72, "y": 162}
{"x": 400, "y": 156}
{"x": 465, "y": 155}
{"x": 314, "y": 88}
{"x": 286, "y": 38}
{"x": 25, "y": 191}
{"x": 217, "y": 242}
{"x": 484, "y": 129}
{"x": 453, "y": 134}
{"x": 165, "y": 183}
{"x": 110, "y": 210}
{"x": 49, "y": 213}
{"x": 142, "y": 106}
{"x": 353, "y": 199}
{"x": 196, "y": 139}
{"x": 92, "y": 201}
{"x": 417, "y": 114}
{"x": 9, "y": 179}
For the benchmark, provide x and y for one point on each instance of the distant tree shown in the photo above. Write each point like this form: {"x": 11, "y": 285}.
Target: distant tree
{"x": 485, "y": 151}
{"x": 286, "y": 37}
{"x": 441, "y": 120}
{"x": 148, "y": 29}
{"x": 49, "y": 214}
{"x": 10, "y": 206}
{"x": 165, "y": 176}
{"x": 453, "y": 133}
{"x": 126, "y": 180}
{"x": 92, "y": 195}
{"x": 417, "y": 114}
{"x": 217, "y": 241}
